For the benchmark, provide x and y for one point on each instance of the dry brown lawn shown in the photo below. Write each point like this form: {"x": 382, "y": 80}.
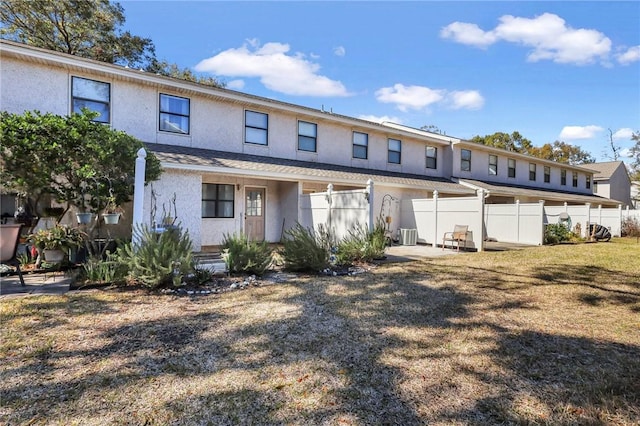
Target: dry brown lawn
{"x": 545, "y": 335}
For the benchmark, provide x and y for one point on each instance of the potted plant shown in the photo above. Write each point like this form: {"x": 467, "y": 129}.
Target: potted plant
{"x": 112, "y": 212}
{"x": 55, "y": 242}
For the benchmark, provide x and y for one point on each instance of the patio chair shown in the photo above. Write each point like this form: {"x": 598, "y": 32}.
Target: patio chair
{"x": 9, "y": 239}
{"x": 458, "y": 236}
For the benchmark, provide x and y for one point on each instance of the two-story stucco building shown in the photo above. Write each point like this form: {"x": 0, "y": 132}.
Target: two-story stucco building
{"x": 238, "y": 162}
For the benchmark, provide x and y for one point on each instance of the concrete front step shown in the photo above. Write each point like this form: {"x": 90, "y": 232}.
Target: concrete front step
{"x": 210, "y": 260}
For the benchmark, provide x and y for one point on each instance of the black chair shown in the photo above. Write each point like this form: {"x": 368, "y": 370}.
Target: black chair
{"x": 9, "y": 239}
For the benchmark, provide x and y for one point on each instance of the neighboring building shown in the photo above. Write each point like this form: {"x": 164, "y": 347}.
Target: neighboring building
{"x": 238, "y": 162}
{"x": 612, "y": 181}
{"x": 635, "y": 194}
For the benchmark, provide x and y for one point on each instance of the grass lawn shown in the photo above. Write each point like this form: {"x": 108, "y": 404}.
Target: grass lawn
{"x": 544, "y": 335}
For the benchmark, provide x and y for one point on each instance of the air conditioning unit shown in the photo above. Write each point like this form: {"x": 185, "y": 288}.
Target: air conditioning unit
{"x": 408, "y": 237}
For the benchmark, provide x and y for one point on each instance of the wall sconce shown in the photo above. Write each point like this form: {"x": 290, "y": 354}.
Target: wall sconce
{"x": 238, "y": 186}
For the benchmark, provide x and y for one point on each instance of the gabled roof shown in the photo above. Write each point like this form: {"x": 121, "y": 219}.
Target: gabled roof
{"x": 230, "y": 163}
{"x": 539, "y": 193}
{"x": 606, "y": 169}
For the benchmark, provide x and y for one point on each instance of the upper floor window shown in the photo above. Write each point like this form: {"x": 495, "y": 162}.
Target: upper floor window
{"x": 532, "y": 171}
{"x": 511, "y": 167}
{"x": 174, "y": 114}
{"x": 256, "y": 126}
{"x": 588, "y": 181}
{"x": 595, "y": 187}
{"x": 432, "y": 157}
{"x": 217, "y": 200}
{"x": 547, "y": 174}
{"x": 574, "y": 180}
{"x": 93, "y": 95}
{"x": 360, "y": 145}
{"x": 493, "y": 165}
{"x": 395, "y": 151}
{"x": 465, "y": 160}
{"x": 563, "y": 177}
{"x": 307, "y": 136}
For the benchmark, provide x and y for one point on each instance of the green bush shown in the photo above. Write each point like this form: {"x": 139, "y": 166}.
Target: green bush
{"x": 306, "y": 250}
{"x": 556, "y": 233}
{"x": 159, "y": 259}
{"x": 360, "y": 245}
{"x": 99, "y": 271}
{"x": 244, "y": 256}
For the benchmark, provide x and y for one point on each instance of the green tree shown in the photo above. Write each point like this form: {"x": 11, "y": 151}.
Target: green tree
{"x": 511, "y": 142}
{"x": 562, "y": 152}
{"x": 87, "y": 28}
{"x": 70, "y": 158}
{"x": 635, "y": 156}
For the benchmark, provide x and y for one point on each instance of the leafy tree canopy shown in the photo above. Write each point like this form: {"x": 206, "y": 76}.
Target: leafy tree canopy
{"x": 557, "y": 151}
{"x": 87, "y": 28}
{"x": 511, "y": 142}
{"x": 71, "y": 158}
{"x": 635, "y": 157}
{"x": 562, "y": 152}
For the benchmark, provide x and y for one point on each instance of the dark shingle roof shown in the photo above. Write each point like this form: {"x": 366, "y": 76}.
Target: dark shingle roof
{"x": 540, "y": 193}
{"x": 285, "y": 169}
{"x": 605, "y": 169}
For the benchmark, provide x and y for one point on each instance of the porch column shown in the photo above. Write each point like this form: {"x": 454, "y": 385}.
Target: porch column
{"x": 481, "y": 195}
{"x": 369, "y": 195}
{"x": 138, "y": 194}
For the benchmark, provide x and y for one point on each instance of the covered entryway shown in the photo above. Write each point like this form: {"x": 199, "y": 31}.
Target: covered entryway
{"x": 254, "y": 213}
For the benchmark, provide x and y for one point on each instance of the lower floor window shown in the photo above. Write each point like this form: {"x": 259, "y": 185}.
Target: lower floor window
{"x": 217, "y": 200}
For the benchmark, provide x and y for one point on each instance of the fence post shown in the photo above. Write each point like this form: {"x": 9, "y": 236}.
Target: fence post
{"x": 587, "y": 230}
{"x": 518, "y": 221}
{"x": 369, "y": 196}
{"x": 481, "y": 194}
{"x": 329, "y": 199}
{"x": 435, "y": 218}
{"x": 541, "y": 202}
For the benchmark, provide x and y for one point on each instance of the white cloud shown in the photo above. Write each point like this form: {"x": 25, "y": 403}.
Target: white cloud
{"x": 419, "y": 97}
{"x": 409, "y": 97}
{"x": 236, "y": 84}
{"x": 548, "y": 35}
{"x": 579, "y": 132}
{"x": 339, "y": 51}
{"x": 470, "y": 34}
{"x": 278, "y": 70}
{"x": 632, "y": 54}
{"x": 380, "y": 119}
{"x": 624, "y": 133}
{"x": 465, "y": 99}
{"x": 626, "y": 153}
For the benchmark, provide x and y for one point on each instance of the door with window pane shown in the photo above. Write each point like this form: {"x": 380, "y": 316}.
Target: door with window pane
{"x": 254, "y": 214}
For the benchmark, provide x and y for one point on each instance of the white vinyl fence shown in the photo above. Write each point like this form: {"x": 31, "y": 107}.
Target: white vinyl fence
{"x": 578, "y": 218}
{"x": 515, "y": 223}
{"x": 337, "y": 210}
{"x": 434, "y": 216}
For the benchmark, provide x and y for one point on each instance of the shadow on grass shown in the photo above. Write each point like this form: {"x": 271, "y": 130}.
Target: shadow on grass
{"x": 345, "y": 328}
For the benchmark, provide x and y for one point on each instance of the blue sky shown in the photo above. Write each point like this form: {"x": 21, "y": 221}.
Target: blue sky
{"x": 565, "y": 71}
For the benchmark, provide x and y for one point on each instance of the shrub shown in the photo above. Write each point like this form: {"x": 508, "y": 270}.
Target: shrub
{"x": 630, "y": 227}
{"x": 242, "y": 255}
{"x": 159, "y": 259}
{"x": 556, "y": 233}
{"x": 362, "y": 245}
{"x": 306, "y": 250}
{"x": 98, "y": 270}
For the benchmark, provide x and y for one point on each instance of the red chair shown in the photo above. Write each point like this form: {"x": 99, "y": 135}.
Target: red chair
{"x": 9, "y": 239}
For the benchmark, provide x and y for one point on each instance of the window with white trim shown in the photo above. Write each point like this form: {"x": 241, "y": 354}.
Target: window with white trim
{"x": 563, "y": 177}
{"x": 588, "y": 182}
{"x": 547, "y": 174}
{"x": 93, "y": 95}
{"x": 574, "y": 179}
{"x": 532, "y": 171}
